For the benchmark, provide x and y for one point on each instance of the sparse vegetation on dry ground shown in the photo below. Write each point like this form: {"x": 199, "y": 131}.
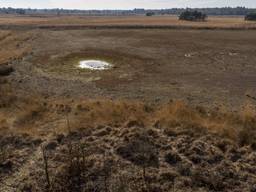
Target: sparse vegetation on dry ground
{"x": 76, "y": 22}
{"x": 107, "y": 145}
{"x": 71, "y": 130}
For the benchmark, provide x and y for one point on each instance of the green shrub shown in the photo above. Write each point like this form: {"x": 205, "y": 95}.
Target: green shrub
{"x": 192, "y": 16}
{"x": 150, "y": 14}
{"x": 250, "y": 17}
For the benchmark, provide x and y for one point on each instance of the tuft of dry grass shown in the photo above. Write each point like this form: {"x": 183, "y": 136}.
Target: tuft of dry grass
{"x": 240, "y": 126}
{"x": 13, "y": 46}
{"x": 55, "y": 114}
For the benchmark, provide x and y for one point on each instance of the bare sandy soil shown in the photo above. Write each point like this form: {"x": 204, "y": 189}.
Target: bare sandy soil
{"x": 120, "y": 130}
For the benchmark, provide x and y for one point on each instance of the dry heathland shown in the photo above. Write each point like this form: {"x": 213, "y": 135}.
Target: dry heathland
{"x": 176, "y": 113}
{"x": 123, "y": 21}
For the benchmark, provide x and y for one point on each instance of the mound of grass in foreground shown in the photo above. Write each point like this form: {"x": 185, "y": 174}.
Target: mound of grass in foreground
{"x": 123, "y": 145}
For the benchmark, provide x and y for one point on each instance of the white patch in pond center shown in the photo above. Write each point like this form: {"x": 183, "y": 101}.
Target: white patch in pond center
{"x": 94, "y": 65}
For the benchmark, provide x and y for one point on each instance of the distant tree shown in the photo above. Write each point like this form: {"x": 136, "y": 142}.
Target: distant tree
{"x": 251, "y": 17}
{"x": 20, "y": 11}
{"x": 192, "y": 16}
{"x": 150, "y": 14}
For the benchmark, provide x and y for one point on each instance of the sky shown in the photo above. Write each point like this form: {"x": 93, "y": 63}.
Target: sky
{"x": 124, "y": 4}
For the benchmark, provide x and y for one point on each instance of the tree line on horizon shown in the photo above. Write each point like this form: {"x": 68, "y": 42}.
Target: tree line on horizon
{"x": 174, "y": 11}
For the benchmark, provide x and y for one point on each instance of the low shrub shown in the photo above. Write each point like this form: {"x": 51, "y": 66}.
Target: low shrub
{"x": 193, "y": 16}
{"x": 250, "y": 17}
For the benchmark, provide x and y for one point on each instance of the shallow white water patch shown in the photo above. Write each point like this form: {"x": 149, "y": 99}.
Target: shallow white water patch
{"x": 94, "y": 65}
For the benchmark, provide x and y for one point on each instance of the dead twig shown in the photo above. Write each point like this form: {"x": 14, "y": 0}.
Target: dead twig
{"x": 47, "y": 177}
{"x": 251, "y": 97}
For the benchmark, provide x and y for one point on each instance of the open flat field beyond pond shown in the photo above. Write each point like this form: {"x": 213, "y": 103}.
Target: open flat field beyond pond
{"x": 44, "y": 21}
{"x": 175, "y": 112}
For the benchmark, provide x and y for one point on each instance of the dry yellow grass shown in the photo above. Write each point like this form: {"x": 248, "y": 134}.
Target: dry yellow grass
{"x": 39, "y": 116}
{"x": 240, "y": 126}
{"x": 212, "y": 22}
{"x": 13, "y": 45}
